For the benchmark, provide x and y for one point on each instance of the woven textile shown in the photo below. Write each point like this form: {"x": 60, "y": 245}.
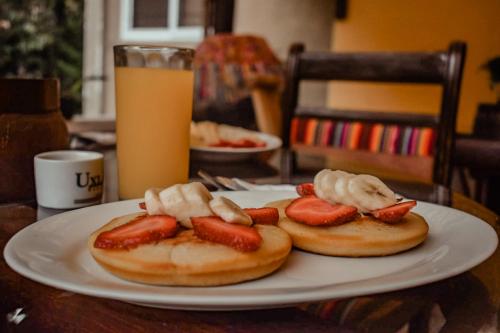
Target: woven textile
{"x": 392, "y": 139}
{"x": 226, "y": 65}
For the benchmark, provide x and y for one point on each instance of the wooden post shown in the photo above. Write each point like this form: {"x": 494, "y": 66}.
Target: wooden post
{"x": 266, "y": 99}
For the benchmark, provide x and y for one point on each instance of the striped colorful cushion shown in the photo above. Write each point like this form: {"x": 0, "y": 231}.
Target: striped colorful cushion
{"x": 392, "y": 139}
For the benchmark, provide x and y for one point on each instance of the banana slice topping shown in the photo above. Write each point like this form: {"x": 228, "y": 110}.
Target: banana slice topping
{"x": 325, "y": 184}
{"x": 365, "y": 192}
{"x": 184, "y": 201}
{"x": 229, "y": 211}
{"x": 343, "y": 194}
{"x": 370, "y": 193}
{"x": 152, "y": 201}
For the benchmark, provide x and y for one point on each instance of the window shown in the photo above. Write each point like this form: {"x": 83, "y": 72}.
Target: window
{"x": 162, "y": 20}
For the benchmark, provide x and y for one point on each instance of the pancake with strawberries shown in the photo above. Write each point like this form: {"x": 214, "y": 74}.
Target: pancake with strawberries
{"x": 154, "y": 249}
{"x": 340, "y": 230}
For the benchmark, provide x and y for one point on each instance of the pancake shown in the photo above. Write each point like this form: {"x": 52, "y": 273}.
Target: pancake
{"x": 189, "y": 261}
{"x": 363, "y": 237}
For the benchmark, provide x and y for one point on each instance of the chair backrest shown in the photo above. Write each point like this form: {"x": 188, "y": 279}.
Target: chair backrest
{"x": 443, "y": 68}
{"x": 227, "y": 68}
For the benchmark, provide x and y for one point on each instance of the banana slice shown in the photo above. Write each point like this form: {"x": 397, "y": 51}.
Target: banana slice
{"x": 370, "y": 193}
{"x": 184, "y": 201}
{"x": 342, "y": 193}
{"x": 321, "y": 184}
{"x": 174, "y": 203}
{"x": 196, "y": 192}
{"x": 229, "y": 211}
{"x": 325, "y": 184}
{"x": 207, "y": 131}
{"x": 152, "y": 201}
{"x": 198, "y": 198}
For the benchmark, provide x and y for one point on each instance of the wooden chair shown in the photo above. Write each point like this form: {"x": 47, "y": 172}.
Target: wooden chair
{"x": 479, "y": 153}
{"x": 441, "y": 68}
{"x": 230, "y": 68}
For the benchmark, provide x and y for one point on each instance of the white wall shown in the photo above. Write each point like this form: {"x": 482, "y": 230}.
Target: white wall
{"x": 93, "y": 57}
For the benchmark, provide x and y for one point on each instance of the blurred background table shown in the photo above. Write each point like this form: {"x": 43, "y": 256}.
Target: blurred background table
{"x": 468, "y": 302}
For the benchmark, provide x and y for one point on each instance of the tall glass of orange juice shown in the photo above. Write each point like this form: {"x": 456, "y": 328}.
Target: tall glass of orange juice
{"x": 154, "y": 99}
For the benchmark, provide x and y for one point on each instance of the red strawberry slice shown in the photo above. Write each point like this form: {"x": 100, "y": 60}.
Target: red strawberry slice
{"x": 141, "y": 230}
{"x": 142, "y": 205}
{"x": 313, "y": 211}
{"x": 305, "y": 189}
{"x": 240, "y": 143}
{"x": 237, "y": 236}
{"x": 246, "y": 143}
{"x": 394, "y": 213}
{"x": 265, "y": 215}
{"x": 221, "y": 143}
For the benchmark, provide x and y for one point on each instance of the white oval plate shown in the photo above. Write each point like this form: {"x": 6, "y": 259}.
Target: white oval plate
{"x": 53, "y": 251}
{"x": 226, "y": 154}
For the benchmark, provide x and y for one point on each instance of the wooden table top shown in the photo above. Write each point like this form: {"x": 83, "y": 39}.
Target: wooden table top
{"x": 469, "y": 302}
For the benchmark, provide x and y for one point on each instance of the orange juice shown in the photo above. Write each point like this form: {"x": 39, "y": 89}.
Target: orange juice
{"x": 153, "y": 115}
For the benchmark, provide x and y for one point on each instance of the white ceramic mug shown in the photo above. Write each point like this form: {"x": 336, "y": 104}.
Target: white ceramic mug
{"x": 69, "y": 178}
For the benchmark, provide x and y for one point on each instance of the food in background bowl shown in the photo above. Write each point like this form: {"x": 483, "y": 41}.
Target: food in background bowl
{"x": 343, "y": 214}
{"x": 187, "y": 237}
{"x": 210, "y": 134}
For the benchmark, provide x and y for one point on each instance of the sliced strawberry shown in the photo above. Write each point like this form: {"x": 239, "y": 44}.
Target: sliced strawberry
{"x": 243, "y": 143}
{"x": 317, "y": 212}
{"x": 221, "y": 143}
{"x": 394, "y": 213}
{"x": 240, "y": 143}
{"x": 237, "y": 236}
{"x": 142, "y": 205}
{"x": 251, "y": 143}
{"x": 141, "y": 230}
{"x": 305, "y": 189}
{"x": 265, "y": 215}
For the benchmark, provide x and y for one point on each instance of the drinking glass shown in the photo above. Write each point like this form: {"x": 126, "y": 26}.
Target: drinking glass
{"x": 154, "y": 100}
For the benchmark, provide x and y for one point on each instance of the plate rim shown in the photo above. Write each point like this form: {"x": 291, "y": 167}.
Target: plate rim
{"x": 249, "y": 301}
{"x": 273, "y": 142}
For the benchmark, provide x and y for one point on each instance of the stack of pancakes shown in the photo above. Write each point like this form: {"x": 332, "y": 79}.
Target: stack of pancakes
{"x": 365, "y": 236}
{"x": 190, "y": 261}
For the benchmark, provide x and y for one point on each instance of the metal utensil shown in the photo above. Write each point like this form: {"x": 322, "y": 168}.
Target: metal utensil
{"x": 244, "y": 184}
{"x": 230, "y": 183}
{"x": 211, "y": 180}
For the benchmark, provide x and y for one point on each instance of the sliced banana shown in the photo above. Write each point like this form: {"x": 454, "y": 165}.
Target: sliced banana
{"x": 325, "y": 183}
{"x": 365, "y": 192}
{"x": 206, "y": 131}
{"x": 152, "y": 201}
{"x": 184, "y": 201}
{"x": 171, "y": 198}
{"x": 370, "y": 193}
{"x": 342, "y": 193}
{"x": 229, "y": 211}
{"x": 198, "y": 197}
{"x": 196, "y": 192}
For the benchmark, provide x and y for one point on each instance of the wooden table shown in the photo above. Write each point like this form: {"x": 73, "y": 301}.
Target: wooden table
{"x": 468, "y": 302}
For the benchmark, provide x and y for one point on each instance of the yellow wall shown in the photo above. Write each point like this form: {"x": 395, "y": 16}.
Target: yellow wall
{"x": 396, "y": 25}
